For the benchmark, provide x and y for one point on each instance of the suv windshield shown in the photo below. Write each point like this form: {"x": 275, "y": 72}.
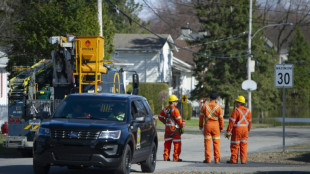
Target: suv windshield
{"x": 90, "y": 108}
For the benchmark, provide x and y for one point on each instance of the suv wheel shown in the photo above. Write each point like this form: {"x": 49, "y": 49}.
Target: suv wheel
{"x": 124, "y": 167}
{"x": 39, "y": 168}
{"x": 150, "y": 164}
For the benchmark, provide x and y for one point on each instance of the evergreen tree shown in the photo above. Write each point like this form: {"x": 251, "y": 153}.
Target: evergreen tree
{"x": 299, "y": 56}
{"x": 122, "y": 23}
{"x": 224, "y": 68}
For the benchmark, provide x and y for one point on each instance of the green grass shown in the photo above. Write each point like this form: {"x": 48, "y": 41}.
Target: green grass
{"x": 193, "y": 125}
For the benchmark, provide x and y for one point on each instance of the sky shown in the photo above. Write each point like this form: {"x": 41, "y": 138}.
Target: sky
{"x": 145, "y": 14}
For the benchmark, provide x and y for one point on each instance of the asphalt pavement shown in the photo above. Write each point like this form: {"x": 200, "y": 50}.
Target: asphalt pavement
{"x": 260, "y": 140}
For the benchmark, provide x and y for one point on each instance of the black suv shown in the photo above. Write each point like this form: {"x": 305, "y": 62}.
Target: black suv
{"x": 110, "y": 131}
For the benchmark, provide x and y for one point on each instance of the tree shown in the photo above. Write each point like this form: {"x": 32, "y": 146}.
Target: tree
{"x": 168, "y": 16}
{"x": 299, "y": 56}
{"x": 163, "y": 97}
{"x": 55, "y": 18}
{"x": 221, "y": 66}
{"x": 289, "y": 11}
{"x": 8, "y": 18}
{"x": 122, "y": 23}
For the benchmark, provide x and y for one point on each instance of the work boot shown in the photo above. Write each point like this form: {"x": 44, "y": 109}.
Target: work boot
{"x": 243, "y": 162}
{"x": 179, "y": 160}
{"x": 205, "y": 161}
{"x": 231, "y": 162}
{"x": 168, "y": 159}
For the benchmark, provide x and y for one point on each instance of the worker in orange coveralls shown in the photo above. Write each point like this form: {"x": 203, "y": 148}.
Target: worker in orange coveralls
{"x": 211, "y": 123}
{"x": 240, "y": 124}
{"x": 171, "y": 117}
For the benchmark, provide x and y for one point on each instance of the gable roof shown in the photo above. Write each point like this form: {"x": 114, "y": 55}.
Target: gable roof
{"x": 185, "y": 55}
{"x": 140, "y": 41}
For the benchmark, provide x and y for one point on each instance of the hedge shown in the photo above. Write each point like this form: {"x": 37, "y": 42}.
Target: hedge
{"x": 150, "y": 91}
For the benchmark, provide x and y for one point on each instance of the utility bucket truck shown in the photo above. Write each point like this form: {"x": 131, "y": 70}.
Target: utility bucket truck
{"x": 77, "y": 66}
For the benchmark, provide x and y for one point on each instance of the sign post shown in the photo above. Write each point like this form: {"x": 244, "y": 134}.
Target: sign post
{"x": 283, "y": 78}
{"x": 184, "y": 98}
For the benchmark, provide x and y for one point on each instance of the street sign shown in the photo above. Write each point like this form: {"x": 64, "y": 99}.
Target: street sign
{"x": 283, "y": 76}
{"x": 184, "y": 98}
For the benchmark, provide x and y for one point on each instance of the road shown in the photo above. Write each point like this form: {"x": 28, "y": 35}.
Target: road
{"x": 261, "y": 140}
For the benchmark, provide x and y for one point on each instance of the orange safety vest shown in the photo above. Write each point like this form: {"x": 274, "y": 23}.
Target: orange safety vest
{"x": 172, "y": 119}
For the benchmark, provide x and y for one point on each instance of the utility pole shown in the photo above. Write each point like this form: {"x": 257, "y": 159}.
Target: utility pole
{"x": 249, "y": 85}
{"x": 249, "y": 56}
{"x": 99, "y": 15}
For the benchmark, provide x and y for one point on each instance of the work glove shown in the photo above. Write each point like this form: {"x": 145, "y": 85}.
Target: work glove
{"x": 181, "y": 131}
{"x": 228, "y": 135}
{"x": 201, "y": 130}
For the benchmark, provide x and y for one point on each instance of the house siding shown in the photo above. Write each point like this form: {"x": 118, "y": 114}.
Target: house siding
{"x": 144, "y": 63}
{"x": 3, "y": 87}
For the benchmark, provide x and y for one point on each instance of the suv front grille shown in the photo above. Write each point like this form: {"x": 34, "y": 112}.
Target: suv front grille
{"x": 70, "y": 134}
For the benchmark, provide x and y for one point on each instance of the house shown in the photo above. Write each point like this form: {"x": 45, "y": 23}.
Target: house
{"x": 152, "y": 58}
{"x": 283, "y": 53}
{"x": 3, "y": 88}
{"x": 188, "y": 34}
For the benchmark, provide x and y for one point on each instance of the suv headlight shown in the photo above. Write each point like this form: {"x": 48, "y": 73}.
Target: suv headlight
{"x": 110, "y": 134}
{"x": 44, "y": 131}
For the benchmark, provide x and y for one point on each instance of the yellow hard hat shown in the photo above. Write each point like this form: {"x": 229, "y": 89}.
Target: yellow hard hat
{"x": 173, "y": 98}
{"x": 240, "y": 99}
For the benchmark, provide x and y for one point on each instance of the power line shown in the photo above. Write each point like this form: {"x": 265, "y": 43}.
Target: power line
{"x": 155, "y": 12}
{"x": 192, "y": 51}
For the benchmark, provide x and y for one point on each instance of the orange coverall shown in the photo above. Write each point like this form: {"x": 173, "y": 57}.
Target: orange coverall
{"x": 212, "y": 122}
{"x": 240, "y": 123}
{"x": 171, "y": 134}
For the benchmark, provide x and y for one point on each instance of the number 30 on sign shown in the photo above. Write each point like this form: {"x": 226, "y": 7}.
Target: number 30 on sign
{"x": 283, "y": 76}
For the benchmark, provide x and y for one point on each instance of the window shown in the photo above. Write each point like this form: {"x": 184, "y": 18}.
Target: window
{"x": 141, "y": 108}
{"x": 113, "y": 110}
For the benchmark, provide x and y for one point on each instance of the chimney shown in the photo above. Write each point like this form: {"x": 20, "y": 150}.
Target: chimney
{"x": 186, "y": 31}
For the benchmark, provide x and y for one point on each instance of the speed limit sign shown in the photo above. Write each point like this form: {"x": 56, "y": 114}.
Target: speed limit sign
{"x": 283, "y": 76}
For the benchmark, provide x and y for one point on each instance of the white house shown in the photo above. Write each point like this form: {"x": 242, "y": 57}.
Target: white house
{"x": 152, "y": 58}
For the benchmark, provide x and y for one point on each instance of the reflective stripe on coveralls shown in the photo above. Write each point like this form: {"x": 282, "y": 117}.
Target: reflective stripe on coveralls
{"x": 243, "y": 118}
{"x": 211, "y": 112}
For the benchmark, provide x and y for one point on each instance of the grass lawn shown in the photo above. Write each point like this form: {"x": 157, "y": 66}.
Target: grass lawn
{"x": 193, "y": 125}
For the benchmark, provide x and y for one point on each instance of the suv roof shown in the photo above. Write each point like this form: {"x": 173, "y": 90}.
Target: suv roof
{"x": 108, "y": 95}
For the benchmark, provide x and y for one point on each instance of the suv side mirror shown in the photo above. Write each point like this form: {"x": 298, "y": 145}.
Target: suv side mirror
{"x": 135, "y": 83}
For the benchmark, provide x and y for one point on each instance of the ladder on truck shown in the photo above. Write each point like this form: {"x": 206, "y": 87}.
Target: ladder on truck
{"x": 89, "y": 54}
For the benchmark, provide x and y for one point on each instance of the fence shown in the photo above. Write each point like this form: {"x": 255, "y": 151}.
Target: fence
{"x": 294, "y": 115}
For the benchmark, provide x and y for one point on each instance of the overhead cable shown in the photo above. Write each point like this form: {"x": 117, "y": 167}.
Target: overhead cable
{"x": 181, "y": 47}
